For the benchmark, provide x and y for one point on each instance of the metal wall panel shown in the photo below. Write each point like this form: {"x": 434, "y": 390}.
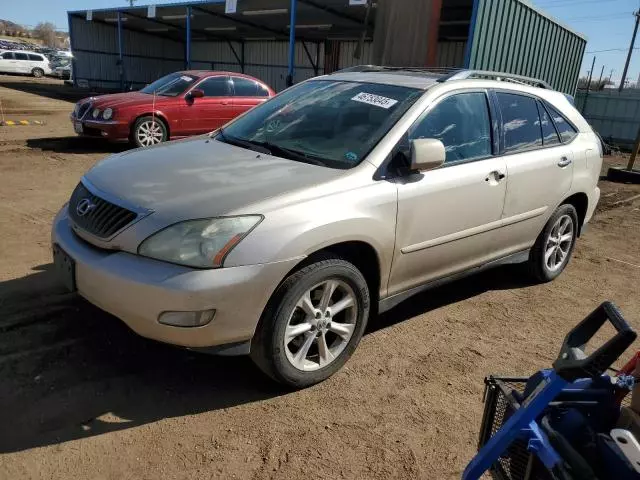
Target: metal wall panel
{"x": 348, "y": 51}
{"x": 614, "y": 115}
{"x": 512, "y": 36}
{"x": 450, "y": 54}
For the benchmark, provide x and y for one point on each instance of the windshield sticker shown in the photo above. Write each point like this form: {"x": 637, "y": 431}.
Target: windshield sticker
{"x": 351, "y": 156}
{"x": 186, "y": 79}
{"x": 376, "y": 100}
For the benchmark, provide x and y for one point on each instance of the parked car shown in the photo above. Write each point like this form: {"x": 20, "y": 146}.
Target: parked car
{"x": 177, "y": 105}
{"x": 280, "y": 234}
{"x": 23, "y": 61}
{"x": 62, "y": 71}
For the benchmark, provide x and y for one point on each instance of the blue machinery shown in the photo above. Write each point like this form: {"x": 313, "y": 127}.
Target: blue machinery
{"x": 576, "y": 379}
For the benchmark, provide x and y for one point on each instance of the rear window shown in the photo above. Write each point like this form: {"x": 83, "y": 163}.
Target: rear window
{"x": 36, "y": 58}
{"x": 566, "y": 130}
{"x": 262, "y": 91}
{"x": 520, "y": 122}
{"x": 549, "y": 134}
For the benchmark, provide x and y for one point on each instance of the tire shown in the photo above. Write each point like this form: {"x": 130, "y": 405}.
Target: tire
{"x": 622, "y": 175}
{"x": 283, "y": 361}
{"x": 544, "y": 268}
{"x": 148, "y": 131}
{"x": 37, "y": 72}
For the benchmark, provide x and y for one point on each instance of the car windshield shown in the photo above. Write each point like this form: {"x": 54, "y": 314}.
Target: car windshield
{"x": 329, "y": 123}
{"x": 170, "y": 85}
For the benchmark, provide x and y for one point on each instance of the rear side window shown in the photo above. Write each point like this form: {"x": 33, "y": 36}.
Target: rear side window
{"x": 263, "y": 91}
{"x": 566, "y": 130}
{"x": 215, "y": 87}
{"x": 462, "y": 123}
{"x": 549, "y": 134}
{"x": 244, "y": 87}
{"x": 7, "y": 56}
{"x": 35, "y": 58}
{"x": 21, "y": 56}
{"x": 520, "y": 122}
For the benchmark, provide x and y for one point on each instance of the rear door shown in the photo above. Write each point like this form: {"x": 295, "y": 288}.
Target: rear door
{"x": 539, "y": 166}
{"x": 22, "y": 63}
{"x": 205, "y": 114}
{"x": 247, "y": 94}
{"x": 7, "y": 63}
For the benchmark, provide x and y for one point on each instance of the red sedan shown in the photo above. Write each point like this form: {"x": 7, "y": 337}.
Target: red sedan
{"x": 177, "y": 105}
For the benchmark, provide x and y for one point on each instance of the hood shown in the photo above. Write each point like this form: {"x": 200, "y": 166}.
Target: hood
{"x": 127, "y": 99}
{"x": 201, "y": 177}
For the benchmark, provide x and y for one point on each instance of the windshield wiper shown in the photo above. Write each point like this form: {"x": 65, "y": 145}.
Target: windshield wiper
{"x": 239, "y": 142}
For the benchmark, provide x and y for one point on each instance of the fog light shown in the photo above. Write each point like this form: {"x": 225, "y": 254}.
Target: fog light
{"x": 105, "y": 134}
{"x": 186, "y": 319}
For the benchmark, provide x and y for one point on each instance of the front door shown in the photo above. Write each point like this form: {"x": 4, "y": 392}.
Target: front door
{"x": 540, "y": 168}
{"x": 205, "y": 114}
{"x": 8, "y": 63}
{"x": 447, "y": 217}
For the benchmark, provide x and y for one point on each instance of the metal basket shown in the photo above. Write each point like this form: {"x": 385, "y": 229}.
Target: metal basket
{"x": 516, "y": 463}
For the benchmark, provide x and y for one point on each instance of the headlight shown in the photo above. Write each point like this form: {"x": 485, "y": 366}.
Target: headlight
{"x": 107, "y": 114}
{"x": 95, "y": 113}
{"x": 199, "y": 243}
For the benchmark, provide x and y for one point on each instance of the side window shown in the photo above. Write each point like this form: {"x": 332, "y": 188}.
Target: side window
{"x": 262, "y": 91}
{"x": 549, "y": 134}
{"x": 244, "y": 87}
{"x": 462, "y": 123}
{"x": 520, "y": 122}
{"x": 215, "y": 87}
{"x": 21, "y": 56}
{"x": 566, "y": 130}
{"x": 7, "y": 56}
{"x": 35, "y": 58}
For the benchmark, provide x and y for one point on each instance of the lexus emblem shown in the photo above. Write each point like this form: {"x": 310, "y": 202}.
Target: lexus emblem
{"x": 84, "y": 206}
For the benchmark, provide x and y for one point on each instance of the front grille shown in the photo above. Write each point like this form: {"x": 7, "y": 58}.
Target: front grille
{"x": 83, "y": 109}
{"x": 101, "y": 218}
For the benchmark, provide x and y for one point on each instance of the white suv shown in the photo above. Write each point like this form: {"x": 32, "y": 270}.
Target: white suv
{"x": 22, "y": 61}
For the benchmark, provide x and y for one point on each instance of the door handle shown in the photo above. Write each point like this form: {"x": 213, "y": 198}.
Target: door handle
{"x": 564, "y": 162}
{"x": 225, "y": 102}
{"x": 496, "y": 176}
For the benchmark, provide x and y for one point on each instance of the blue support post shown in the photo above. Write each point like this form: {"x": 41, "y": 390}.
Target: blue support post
{"x": 187, "y": 54}
{"x": 292, "y": 42}
{"x": 120, "y": 55}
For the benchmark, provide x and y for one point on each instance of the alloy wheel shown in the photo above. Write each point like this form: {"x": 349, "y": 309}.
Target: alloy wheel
{"x": 321, "y": 325}
{"x": 149, "y": 133}
{"x": 558, "y": 243}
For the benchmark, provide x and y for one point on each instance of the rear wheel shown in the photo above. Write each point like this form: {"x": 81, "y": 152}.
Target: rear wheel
{"x": 149, "y": 131}
{"x": 313, "y": 324}
{"x": 554, "y": 246}
{"x": 37, "y": 72}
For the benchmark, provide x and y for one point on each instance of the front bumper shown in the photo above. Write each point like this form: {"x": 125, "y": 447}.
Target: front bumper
{"x": 138, "y": 289}
{"x": 108, "y": 129}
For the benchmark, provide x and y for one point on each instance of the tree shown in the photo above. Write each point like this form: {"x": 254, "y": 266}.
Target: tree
{"x": 47, "y": 33}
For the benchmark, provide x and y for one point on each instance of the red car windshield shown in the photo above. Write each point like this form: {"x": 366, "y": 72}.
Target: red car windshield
{"x": 170, "y": 85}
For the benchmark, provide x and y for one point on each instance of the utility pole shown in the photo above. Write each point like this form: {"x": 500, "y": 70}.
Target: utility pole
{"x": 600, "y": 79}
{"x": 593, "y": 64}
{"x": 633, "y": 41}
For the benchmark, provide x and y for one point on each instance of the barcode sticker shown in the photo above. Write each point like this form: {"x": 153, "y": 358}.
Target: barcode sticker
{"x": 376, "y": 100}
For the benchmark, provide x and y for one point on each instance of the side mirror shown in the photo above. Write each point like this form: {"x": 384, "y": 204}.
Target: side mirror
{"x": 195, "y": 93}
{"x": 427, "y": 154}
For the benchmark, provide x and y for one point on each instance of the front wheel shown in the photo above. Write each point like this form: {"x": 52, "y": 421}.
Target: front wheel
{"x": 149, "y": 131}
{"x": 37, "y": 72}
{"x": 554, "y": 246}
{"x": 313, "y": 324}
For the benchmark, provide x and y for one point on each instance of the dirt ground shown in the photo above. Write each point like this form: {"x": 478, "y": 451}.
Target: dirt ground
{"x": 83, "y": 397}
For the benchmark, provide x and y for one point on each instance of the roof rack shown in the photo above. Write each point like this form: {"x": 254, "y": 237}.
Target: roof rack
{"x": 448, "y": 73}
{"x": 500, "y": 76}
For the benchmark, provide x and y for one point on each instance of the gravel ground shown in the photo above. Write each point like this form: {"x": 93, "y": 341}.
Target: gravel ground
{"x": 83, "y": 397}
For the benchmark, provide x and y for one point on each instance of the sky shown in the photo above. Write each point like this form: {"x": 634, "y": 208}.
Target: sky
{"x": 607, "y": 24}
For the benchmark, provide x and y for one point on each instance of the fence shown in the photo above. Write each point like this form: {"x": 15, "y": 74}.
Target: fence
{"x": 614, "y": 115}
